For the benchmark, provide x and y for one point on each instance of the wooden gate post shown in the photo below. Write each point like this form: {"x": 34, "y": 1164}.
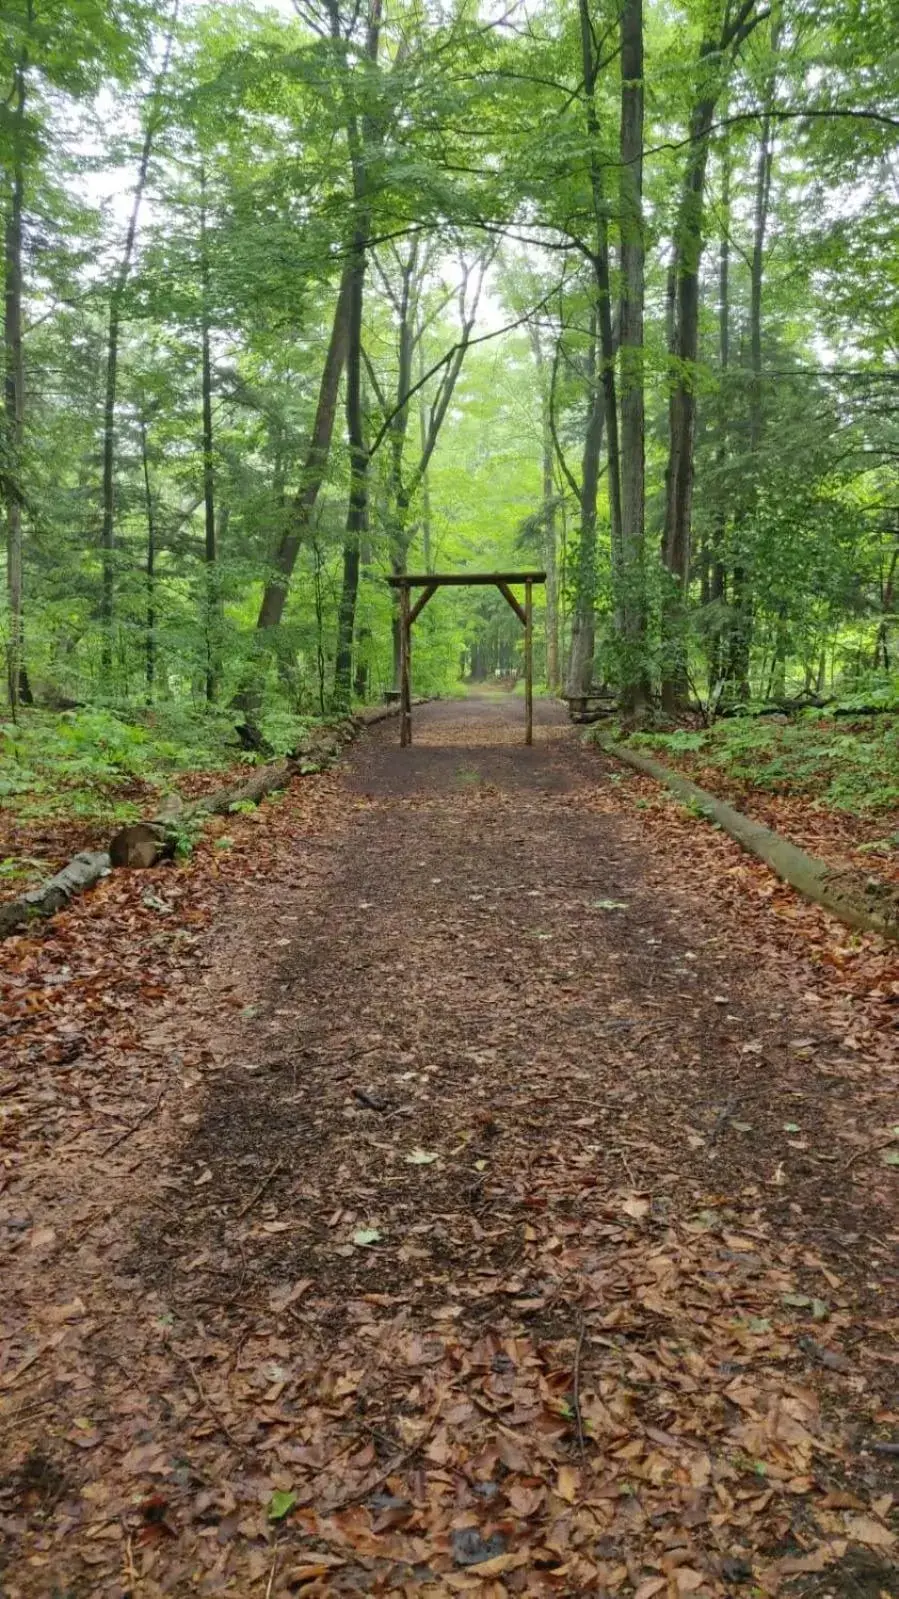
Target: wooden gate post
{"x": 405, "y": 674}
{"x": 529, "y": 662}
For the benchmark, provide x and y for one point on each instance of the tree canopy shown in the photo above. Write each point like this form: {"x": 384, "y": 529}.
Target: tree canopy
{"x": 298, "y": 297}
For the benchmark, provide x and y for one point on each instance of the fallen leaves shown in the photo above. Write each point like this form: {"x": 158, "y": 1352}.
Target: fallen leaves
{"x": 570, "y": 1353}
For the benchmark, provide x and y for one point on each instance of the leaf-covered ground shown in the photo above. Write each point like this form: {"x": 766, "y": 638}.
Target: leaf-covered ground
{"x": 476, "y": 1176}
{"x": 828, "y": 783}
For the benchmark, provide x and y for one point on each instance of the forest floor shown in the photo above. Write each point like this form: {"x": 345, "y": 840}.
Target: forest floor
{"x": 828, "y": 783}
{"x": 468, "y": 1174}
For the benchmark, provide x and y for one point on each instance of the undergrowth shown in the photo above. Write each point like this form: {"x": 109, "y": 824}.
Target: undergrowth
{"x": 94, "y": 765}
{"x": 849, "y": 764}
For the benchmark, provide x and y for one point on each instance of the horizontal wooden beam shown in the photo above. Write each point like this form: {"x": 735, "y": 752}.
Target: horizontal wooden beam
{"x": 424, "y": 580}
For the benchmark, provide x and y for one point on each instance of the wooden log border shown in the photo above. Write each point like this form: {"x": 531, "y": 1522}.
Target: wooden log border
{"x": 859, "y": 901}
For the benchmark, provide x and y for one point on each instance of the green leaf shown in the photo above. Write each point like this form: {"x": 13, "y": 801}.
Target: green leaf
{"x": 365, "y": 1236}
{"x": 792, "y": 1127}
{"x": 422, "y": 1157}
{"x": 280, "y": 1504}
{"x": 610, "y": 904}
{"x": 796, "y": 1301}
{"x": 890, "y": 1157}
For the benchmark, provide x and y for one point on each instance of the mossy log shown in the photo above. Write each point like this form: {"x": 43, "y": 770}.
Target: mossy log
{"x": 83, "y": 871}
{"x": 857, "y": 899}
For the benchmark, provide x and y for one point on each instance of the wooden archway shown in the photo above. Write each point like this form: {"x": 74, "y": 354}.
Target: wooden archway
{"x": 429, "y": 583}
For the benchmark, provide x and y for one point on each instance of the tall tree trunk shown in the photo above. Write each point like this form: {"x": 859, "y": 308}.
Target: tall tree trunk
{"x": 14, "y": 392}
{"x": 116, "y": 300}
{"x": 357, "y": 506}
{"x": 548, "y": 541}
{"x": 633, "y": 486}
{"x": 211, "y": 596}
{"x": 427, "y": 555}
{"x": 717, "y": 564}
{"x": 682, "y": 403}
{"x": 715, "y": 58}
{"x": 150, "y": 570}
{"x": 600, "y": 261}
{"x": 315, "y": 464}
{"x": 583, "y": 623}
{"x": 741, "y": 633}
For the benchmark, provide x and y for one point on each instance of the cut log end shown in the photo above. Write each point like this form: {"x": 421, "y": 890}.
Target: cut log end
{"x": 140, "y": 845}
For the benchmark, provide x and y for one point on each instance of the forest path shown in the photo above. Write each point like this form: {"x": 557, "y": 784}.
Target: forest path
{"x": 512, "y": 1220}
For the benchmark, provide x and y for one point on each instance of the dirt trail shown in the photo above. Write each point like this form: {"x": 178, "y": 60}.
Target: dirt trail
{"x": 513, "y": 1220}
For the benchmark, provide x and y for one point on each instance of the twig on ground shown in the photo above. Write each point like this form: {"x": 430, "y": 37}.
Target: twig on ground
{"x": 30, "y": 1360}
{"x": 258, "y": 1193}
{"x": 868, "y": 1149}
{"x": 396, "y": 1464}
{"x": 216, "y": 1414}
{"x": 879, "y": 1446}
{"x": 132, "y": 1569}
{"x": 271, "y": 1576}
{"x": 576, "y": 1390}
{"x": 135, "y": 1125}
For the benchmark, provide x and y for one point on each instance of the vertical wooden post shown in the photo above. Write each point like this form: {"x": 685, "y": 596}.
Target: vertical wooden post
{"x": 405, "y": 677}
{"x": 529, "y": 663}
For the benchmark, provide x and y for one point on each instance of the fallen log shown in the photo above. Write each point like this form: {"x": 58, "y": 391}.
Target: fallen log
{"x": 145, "y": 843}
{"x": 380, "y": 713}
{"x": 859, "y": 901}
{"x": 83, "y": 871}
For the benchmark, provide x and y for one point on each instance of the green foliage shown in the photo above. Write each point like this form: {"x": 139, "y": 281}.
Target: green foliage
{"x": 850, "y": 764}
{"x": 93, "y": 763}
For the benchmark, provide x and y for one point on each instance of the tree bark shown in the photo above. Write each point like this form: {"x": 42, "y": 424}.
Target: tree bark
{"x": 150, "y": 570}
{"x": 14, "y": 391}
{"x": 81, "y": 872}
{"x": 315, "y": 465}
{"x": 715, "y": 56}
{"x": 548, "y": 541}
{"x": 741, "y": 632}
{"x": 600, "y": 261}
{"x": 583, "y": 622}
{"x": 211, "y": 596}
{"x": 116, "y": 300}
{"x": 717, "y": 563}
{"x": 633, "y": 489}
{"x": 358, "y": 138}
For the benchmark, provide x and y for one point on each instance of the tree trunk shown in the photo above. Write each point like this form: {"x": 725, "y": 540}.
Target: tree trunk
{"x": 633, "y": 490}
{"x": 150, "y": 629}
{"x": 715, "y": 58}
{"x": 583, "y": 624}
{"x": 116, "y": 299}
{"x": 682, "y": 403}
{"x": 855, "y": 898}
{"x": 741, "y": 636}
{"x": 548, "y": 541}
{"x": 357, "y": 507}
{"x": 315, "y": 465}
{"x": 600, "y": 261}
{"x": 211, "y": 597}
{"x": 718, "y": 570}
{"x": 14, "y": 394}
{"x": 422, "y": 442}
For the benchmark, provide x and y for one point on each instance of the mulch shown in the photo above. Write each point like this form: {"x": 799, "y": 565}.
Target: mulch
{"x": 478, "y": 1177}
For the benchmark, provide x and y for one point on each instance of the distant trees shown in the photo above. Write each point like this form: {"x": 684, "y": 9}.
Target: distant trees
{"x": 377, "y": 289}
